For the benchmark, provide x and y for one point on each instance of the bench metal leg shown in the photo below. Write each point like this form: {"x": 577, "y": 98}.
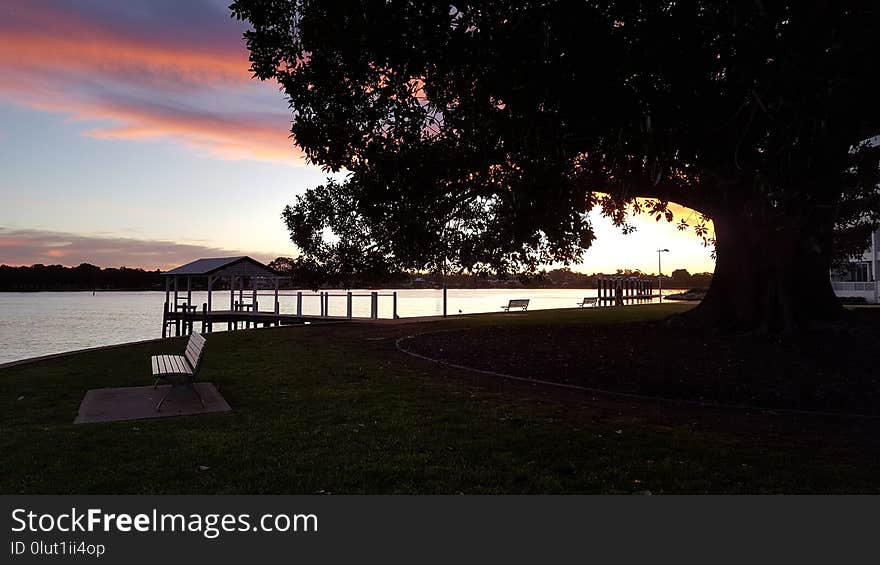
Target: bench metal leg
{"x": 190, "y": 385}
{"x": 162, "y": 401}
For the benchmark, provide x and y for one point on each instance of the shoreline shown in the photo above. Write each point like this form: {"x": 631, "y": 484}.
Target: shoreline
{"x": 380, "y": 321}
{"x": 29, "y": 360}
{"x": 83, "y": 290}
{"x": 85, "y": 346}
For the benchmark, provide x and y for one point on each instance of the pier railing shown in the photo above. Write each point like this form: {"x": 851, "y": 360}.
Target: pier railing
{"x": 324, "y": 301}
{"x": 179, "y": 316}
{"x": 853, "y": 286}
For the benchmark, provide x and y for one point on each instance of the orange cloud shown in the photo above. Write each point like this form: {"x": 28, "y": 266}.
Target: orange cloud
{"x": 242, "y": 136}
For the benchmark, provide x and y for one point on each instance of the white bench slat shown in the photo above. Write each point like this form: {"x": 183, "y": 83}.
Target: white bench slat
{"x": 185, "y": 367}
{"x": 169, "y": 362}
{"x": 185, "y": 364}
{"x": 174, "y": 363}
{"x": 192, "y": 355}
{"x": 197, "y": 341}
{"x": 170, "y": 365}
{"x": 195, "y": 347}
{"x": 182, "y": 365}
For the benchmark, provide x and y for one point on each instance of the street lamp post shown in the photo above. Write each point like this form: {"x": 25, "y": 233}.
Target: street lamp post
{"x": 660, "y": 274}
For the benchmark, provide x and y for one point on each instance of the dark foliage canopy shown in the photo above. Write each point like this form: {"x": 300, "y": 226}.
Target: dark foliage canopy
{"x": 477, "y": 135}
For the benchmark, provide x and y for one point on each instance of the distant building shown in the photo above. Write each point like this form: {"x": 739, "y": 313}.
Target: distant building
{"x": 859, "y": 279}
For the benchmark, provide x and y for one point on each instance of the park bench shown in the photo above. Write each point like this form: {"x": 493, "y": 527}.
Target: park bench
{"x": 180, "y": 370}
{"x": 591, "y": 301}
{"x": 521, "y": 303}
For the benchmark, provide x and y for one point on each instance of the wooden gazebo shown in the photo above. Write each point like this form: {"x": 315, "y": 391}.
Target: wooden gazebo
{"x": 243, "y": 276}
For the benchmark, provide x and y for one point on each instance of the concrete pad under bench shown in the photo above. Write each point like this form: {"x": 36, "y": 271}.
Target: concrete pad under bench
{"x": 139, "y": 402}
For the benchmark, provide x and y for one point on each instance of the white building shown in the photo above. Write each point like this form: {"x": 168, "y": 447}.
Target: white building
{"x": 860, "y": 278}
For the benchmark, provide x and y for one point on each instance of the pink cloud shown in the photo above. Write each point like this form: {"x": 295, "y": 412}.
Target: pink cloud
{"x": 29, "y": 247}
{"x": 198, "y": 94}
{"x": 37, "y": 35}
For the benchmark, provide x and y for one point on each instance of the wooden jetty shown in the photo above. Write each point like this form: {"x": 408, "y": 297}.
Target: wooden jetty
{"x": 182, "y": 322}
{"x": 246, "y": 280}
{"x": 620, "y": 290}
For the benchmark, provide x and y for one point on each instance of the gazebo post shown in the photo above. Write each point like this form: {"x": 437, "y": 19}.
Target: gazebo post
{"x": 176, "y": 318}
{"x": 241, "y": 292}
{"x": 247, "y": 323}
{"x": 210, "y": 287}
{"x": 189, "y": 324}
{"x": 277, "y": 307}
{"x": 207, "y": 323}
{"x": 254, "y": 299}
{"x": 231, "y": 301}
{"x": 165, "y": 311}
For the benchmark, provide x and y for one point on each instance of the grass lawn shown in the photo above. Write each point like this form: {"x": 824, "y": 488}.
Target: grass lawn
{"x": 338, "y": 409}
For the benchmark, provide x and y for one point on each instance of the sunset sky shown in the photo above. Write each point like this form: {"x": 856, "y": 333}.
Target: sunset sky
{"x": 131, "y": 133}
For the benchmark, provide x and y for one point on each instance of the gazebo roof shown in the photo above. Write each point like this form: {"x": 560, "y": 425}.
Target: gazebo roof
{"x": 242, "y": 265}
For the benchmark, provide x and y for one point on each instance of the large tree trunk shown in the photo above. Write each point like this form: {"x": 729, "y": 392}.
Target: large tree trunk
{"x": 770, "y": 275}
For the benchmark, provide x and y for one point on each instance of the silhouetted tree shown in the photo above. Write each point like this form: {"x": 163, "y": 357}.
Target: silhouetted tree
{"x": 858, "y": 219}
{"x": 681, "y": 277}
{"x": 283, "y": 265}
{"x": 305, "y": 272}
{"x": 478, "y": 135}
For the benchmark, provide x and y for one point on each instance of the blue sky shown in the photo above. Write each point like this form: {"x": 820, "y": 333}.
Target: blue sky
{"x": 131, "y": 133}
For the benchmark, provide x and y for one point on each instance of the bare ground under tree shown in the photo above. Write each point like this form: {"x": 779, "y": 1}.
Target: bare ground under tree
{"x": 830, "y": 369}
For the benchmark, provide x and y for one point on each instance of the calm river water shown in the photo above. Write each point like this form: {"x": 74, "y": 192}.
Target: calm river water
{"x": 41, "y": 323}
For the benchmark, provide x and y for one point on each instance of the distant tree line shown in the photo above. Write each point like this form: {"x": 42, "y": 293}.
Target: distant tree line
{"x": 83, "y": 277}
{"x": 305, "y": 273}
{"x": 565, "y": 277}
